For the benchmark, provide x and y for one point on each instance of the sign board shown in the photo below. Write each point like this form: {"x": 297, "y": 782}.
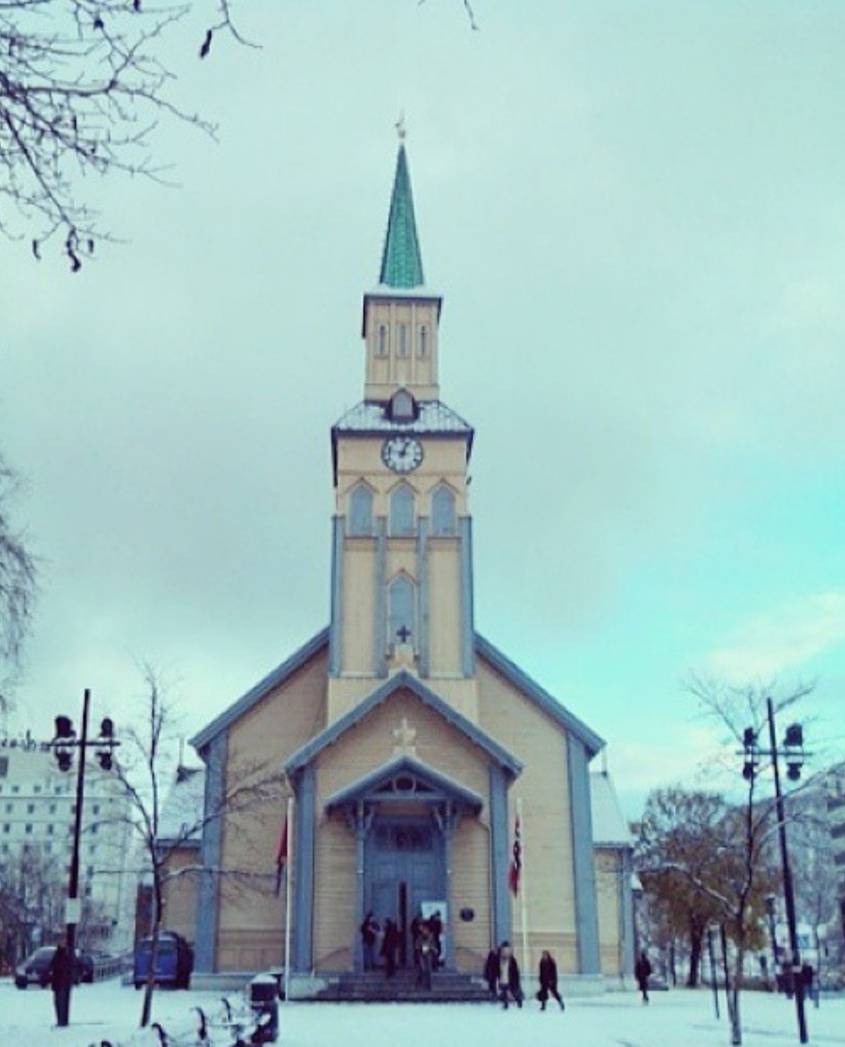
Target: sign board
{"x": 73, "y": 910}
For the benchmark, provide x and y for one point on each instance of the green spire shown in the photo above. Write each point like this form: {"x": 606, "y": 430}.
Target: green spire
{"x": 401, "y": 264}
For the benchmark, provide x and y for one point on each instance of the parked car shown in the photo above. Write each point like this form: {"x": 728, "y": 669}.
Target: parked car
{"x": 174, "y": 961}
{"x": 35, "y": 969}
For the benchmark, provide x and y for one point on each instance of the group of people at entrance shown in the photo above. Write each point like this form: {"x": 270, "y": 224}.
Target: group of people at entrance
{"x": 385, "y": 942}
{"x": 503, "y": 979}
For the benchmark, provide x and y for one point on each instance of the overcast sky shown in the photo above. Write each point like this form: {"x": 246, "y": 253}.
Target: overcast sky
{"x": 635, "y": 213}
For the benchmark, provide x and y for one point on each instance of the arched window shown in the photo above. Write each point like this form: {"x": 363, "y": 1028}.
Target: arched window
{"x": 402, "y": 510}
{"x": 402, "y": 407}
{"x": 360, "y": 516}
{"x": 422, "y": 341}
{"x": 442, "y": 511}
{"x": 381, "y": 347}
{"x": 400, "y": 610}
{"x": 403, "y": 340}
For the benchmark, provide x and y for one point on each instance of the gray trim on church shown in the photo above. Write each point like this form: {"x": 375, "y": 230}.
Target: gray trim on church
{"x": 306, "y": 753}
{"x": 583, "y": 868}
{"x": 500, "y": 907}
{"x": 408, "y": 764}
{"x": 531, "y": 689}
{"x": 380, "y": 599}
{"x": 208, "y": 891}
{"x": 467, "y": 611}
{"x": 261, "y": 689}
{"x": 336, "y": 602}
{"x": 303, "y": 860}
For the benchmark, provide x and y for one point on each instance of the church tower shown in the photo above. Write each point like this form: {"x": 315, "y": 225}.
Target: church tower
{"x": 402, "y": 536}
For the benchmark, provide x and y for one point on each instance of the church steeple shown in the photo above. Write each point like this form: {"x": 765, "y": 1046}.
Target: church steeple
{"x": 401, "y": 263}
{"x": 401, "y": 316}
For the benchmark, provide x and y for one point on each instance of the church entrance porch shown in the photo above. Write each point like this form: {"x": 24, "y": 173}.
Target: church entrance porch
{"x": 404, "y": 875}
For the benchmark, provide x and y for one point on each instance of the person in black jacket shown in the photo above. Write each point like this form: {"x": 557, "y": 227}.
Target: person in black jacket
{"x": 389, "y": 946}
{"x": 548, "y": 981}
{"x": 369, "y": 930}
{"x": 61, "y": 978}
{"x": 491, "y": 971}
{"x": 508, "y": 980}
{"x": 642, "y": 969}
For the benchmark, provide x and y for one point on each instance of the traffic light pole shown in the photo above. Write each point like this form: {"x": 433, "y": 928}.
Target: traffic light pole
{"x": 74, "y": 914}
{"x": 788, "y": 892}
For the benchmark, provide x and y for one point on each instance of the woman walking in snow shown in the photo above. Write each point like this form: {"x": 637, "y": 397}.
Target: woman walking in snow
{"x": 508, "y": 976}
{"x": 548, "y": 981}
{"x": 642, "y": 969}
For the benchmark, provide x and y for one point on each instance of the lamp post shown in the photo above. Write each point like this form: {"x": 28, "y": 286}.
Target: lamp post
{"x": 792, "y": 750}
{"x": 770, "y": 914}
{"x": 63, "y": 744}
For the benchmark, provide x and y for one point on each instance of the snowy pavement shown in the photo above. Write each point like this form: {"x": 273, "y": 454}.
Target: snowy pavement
{"x": 680, "y": 1018}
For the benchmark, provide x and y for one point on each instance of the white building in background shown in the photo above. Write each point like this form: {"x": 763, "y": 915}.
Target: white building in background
{"x": 37, "y": 811}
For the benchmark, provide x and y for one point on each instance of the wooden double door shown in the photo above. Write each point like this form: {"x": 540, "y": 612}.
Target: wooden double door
{"x": 404, "y": 867}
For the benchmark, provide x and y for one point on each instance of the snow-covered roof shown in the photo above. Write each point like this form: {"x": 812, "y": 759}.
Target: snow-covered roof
{"x": 433, "y": 417}
{"x": 183, "y": 806}
{"x": 609, "y": 825}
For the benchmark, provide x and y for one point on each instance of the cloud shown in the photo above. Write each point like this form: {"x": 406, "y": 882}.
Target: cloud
{"x": 783, "y": 638}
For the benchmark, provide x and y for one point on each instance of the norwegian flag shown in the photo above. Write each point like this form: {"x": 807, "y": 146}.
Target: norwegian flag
{"x": 516, "y": 861}
{"x": 281, "y": 857}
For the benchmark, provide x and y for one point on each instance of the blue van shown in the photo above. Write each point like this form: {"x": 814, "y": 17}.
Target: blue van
{"x": 174, "y": 961}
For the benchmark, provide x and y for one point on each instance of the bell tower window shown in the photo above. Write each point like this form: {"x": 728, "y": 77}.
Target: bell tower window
{"x": 360, "y": 517}
{"x": 400, "y": 610}
{"x": 422, "y": 341}
{"x": 402, "y": 511}
{"x": 381, "y": 343}
{"x": 402, "y": 349}
{"x": 442, "y": 511}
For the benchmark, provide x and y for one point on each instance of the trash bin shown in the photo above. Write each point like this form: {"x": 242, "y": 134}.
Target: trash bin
{"x": 264, "y": 1001}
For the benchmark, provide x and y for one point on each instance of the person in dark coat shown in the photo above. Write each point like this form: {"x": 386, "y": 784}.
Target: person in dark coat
{"x": 435, "y": 924}
{"x": 491, "y": 971}
{"x": 508, "y": 980}
{"x": 548, "y": 981}
{"x": 427, "y": 957}
{"x": 642, "y": 970}
{"x": 416, "y": 931}
{"x": 389, "y": 946}
{"x": 369, "y": 930}
{"x": 61, "y": 979}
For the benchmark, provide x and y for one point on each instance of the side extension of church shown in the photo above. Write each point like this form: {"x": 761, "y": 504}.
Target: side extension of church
{"x": 408, "y": 741}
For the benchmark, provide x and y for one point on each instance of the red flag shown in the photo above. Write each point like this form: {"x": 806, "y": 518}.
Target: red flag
{"x": 516, "y": 861}
{"x": 281, "y": 856}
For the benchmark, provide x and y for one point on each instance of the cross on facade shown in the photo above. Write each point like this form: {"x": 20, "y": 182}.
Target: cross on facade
{"x": 404, "y": 736}
{"x": 404, "y": 634}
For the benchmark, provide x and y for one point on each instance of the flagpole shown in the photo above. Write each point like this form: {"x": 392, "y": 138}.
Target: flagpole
{"x": 523, "y": 891}
{"x": 287, "y": 898}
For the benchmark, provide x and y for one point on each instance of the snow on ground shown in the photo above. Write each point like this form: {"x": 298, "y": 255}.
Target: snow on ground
{"x": 680, "y": 1018}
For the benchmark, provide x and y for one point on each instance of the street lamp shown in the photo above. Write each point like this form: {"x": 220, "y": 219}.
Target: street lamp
{"x": 63, "y": 745}
{"x": 792, "y": 751}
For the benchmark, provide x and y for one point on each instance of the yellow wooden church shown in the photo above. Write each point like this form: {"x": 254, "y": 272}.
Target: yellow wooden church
{"x": 408, "y": 740}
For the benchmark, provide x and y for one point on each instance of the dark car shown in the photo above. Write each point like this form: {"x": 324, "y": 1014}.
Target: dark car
{"x": 35, "y": 970}
{"x": 174, "y": 961}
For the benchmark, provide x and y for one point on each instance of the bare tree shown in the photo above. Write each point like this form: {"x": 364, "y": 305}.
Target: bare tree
{"x": 145, "y": 769}
{"x": 17, "y": 584}
{"x": 31, "y": 902}
{"x": 83, "y": 84}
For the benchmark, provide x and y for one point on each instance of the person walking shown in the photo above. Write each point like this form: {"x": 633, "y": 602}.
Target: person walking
{"x": 548, "y": 981}
{"x": 491, "y": 971}
{"x": 369, "y": 930}
{"x": 435, "y": 924}
{"x": 426, "y": 958}
{"x": 642, "y": 969}
{"x": 508, "y": 976}
{"x": 416, "y": 930}
{"x": 61, "y": 979}
{"x": 389, "y": 946}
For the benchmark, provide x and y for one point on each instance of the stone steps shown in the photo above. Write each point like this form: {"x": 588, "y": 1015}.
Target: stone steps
{"x": 374, "y": 987}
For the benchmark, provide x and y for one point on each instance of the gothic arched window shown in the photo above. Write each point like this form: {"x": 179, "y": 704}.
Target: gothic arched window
{"x": 403, "y": 340}
{"x": 402, "y": 510}
{"x": 381, "y": 346}
{"x": 422, "y": 341}
{"x": 360, "y": 515}
{"x": 442, "y": 511}
{"x": 400, "y": 610}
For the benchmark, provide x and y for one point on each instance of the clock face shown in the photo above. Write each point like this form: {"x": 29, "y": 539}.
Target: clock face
{"x": 402, "y": 454}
